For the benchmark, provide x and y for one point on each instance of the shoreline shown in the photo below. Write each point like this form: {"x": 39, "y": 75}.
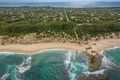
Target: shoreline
{"x": 35, "y": 48}
{"x": 97, "y": 46}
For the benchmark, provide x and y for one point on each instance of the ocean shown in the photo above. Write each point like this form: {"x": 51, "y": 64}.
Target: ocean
{"x": 59, "y": 64}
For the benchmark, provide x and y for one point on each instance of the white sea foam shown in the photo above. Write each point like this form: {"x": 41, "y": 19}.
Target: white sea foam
{"x": 10, "y": 53}
{"x": 98, "y": 72}
{"x": 113, "y": 48}
{"x": 23, "y": 69}
{"x": 107, "y": 63}
{"x": 67, "y": 61}
{"x": 69, "y": 66}
{"x": 6, "y": 53}
{"x": 72, "y": 67}
{"x": 5, "y": 76}
{"x": 24, "y": 66}
{"x": 102, "y": 52}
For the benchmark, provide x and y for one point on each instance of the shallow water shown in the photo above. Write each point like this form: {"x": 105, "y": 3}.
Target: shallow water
{"x": 59, "y": 65}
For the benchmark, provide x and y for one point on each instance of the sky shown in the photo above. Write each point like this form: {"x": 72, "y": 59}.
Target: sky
{"x": 53, "y": 0}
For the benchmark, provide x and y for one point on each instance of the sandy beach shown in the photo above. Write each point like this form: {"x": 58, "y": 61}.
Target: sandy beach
{"x": 32, "y": 48}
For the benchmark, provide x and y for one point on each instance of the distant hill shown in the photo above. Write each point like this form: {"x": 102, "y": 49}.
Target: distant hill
{"x": 63, "y": 4}
{"x": 103, "y": 4}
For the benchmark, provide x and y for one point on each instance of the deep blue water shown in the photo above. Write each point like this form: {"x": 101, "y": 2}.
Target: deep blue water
{"x": 59, "y": 65}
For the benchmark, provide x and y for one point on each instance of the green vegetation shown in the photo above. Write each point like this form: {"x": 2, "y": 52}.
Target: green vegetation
{"x": 47, "y": 22}
{"x": 16, "y": 29}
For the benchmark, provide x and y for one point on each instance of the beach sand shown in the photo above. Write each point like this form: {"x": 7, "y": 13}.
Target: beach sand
{"x": 32, "y": 48}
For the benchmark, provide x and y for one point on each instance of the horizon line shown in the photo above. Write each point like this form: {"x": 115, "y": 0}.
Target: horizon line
{"x": 52, "y": 1}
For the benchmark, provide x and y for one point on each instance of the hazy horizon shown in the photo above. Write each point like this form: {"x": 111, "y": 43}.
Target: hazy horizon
{"x": 60, "y": 1}
{"x": 66, "y": 3}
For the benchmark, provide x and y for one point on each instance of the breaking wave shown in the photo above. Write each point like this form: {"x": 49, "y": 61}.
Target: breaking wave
{"x": 59, "y": 65}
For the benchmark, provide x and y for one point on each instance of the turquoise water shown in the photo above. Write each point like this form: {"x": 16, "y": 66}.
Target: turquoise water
{"x": 114, "y": 58}
{"x": 58, "y": 65}
{"x": 45, "y": 65}
{"x": 114, "y": 55}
